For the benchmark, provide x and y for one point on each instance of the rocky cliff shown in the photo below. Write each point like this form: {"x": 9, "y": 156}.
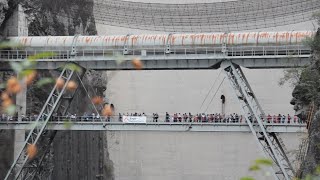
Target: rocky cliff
{"x": 3, "y": 8}
{"x": 62, "y": 17}
{"x": 305, "y": 95}
{"x": 6, "y": 137}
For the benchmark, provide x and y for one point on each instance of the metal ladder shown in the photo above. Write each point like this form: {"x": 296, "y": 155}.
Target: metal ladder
{"x": 270, "y": 143}
{"x": 22, "y": 166}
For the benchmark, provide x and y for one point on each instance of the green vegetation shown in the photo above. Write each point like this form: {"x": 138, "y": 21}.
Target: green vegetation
{"x": 257, "y": 166}
{"x": 306, "y": 80}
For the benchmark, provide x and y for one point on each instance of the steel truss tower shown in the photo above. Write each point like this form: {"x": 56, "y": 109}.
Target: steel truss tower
{"x": 58, "y": 102}
{"x": 270, "y": 143}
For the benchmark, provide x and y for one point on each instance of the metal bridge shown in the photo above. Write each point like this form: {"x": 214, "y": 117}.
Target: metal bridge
{"x": 115, "y": 124}
{"x": 153, "y": 126}
{"x": 172, "y": 51}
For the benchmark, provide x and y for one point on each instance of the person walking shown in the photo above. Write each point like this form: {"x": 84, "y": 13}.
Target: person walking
{"x": 167, "y": 117}
{"x": 288, "y": 118}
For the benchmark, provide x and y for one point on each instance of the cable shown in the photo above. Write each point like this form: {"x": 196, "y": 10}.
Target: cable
{"x": 215, "y": 94}
{"x": 85, "y": 89}
{"x": 210, "y": 89}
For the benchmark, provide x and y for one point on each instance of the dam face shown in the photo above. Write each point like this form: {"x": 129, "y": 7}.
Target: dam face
{"x": 188, "y": 155}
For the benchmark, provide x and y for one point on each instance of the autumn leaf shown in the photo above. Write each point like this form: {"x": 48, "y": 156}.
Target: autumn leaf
{"x": 266, "y": 162}
{"x": 60, "y": 83}
{"x": 107, "y": 110}
{"x": 97, "y": 100}
{"x": 71, "y": 86}
{"x": 13, "y": 85}
{"x": 67, "y": 124}
{"x": 11, "y": 109}
{"x": 254, "y": 167}
{"x": 44, "y": 81}
{"x": 73, "y": 67}
{"x": 32, "y": 151}
{"x": 247, "y": 178}
{"x": 42, "y": 55}
{"x": 137, "y": 63}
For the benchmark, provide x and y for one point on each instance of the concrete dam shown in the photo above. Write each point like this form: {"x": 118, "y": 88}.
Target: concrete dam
{"x": 115, "y": 150}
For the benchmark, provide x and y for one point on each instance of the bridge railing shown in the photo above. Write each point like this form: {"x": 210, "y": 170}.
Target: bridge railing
{"x": 233, "y": 51}
{"x": 152, "y": 120}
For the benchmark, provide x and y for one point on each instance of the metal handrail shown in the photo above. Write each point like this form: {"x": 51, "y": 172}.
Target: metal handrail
{"x": 150, "y": 119}
{"x": 233, "y": 51}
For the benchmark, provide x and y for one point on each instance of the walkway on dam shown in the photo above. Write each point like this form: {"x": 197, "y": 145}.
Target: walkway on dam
{"x": 165, "y": 52}
{"x": 115, "y": 124}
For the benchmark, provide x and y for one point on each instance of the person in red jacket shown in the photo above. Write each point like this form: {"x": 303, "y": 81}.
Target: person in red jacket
{"x": 175, "y": 117}
{"x": 295, "y": 119}
{"x": 195, "y": 119}
{"x": 269, "y": 118}
{"x": 275, "y": 119}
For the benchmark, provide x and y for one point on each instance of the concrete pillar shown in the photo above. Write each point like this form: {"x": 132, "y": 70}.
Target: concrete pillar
{"x": 21, "y": 104}
{"x": 17, "y": 26}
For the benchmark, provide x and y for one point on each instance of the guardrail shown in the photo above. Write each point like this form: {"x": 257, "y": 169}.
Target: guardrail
{"x": 152, "y": 126}
{"x": 162, "y": 119}
{"x": 235, "y": 51}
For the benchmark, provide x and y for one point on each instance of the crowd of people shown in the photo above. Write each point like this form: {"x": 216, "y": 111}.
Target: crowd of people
{"x": 5, "y": 117}
{"x": 230, "y": 118}
{"x": 175, "y": 117}
{"x": 218, "y": 118}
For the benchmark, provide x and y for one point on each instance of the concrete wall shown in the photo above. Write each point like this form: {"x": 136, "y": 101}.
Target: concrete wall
{"x": 187, "y": 155}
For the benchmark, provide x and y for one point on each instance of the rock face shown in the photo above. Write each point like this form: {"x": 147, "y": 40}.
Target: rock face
{"x": 6, "y": 149}
{"x": 312, "y": 159}
{"x": 84, "y": 151}
{"x": 3, "y": 7}
{"x": 307, "y": 92}
{"x": 60, "y": 17}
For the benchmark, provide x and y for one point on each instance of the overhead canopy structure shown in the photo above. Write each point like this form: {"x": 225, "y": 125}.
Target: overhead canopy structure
{"x": 204, "y": 17}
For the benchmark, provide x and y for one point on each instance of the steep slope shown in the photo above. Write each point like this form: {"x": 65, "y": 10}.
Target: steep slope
{"x": 307, "y": 92}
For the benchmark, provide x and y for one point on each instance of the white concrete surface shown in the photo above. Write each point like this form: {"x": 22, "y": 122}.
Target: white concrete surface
{"x": 186, "y": 155}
